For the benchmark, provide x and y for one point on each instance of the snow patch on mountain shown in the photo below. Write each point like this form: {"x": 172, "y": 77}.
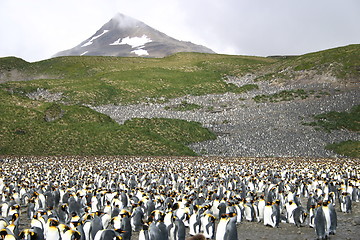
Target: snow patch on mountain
{"x": 140, "y": 52}
{"x": 93, "y": 38}
{"x": 84, "y": 53}
{"x": 134, "y": 42}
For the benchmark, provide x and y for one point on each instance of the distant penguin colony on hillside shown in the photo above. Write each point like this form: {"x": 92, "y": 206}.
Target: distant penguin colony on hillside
{"x": 102, "y": 198}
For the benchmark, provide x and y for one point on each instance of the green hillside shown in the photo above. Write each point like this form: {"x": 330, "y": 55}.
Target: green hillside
{"x": 104, "y": 80}
{"x": 82, "y": 131}
{"x": 113, "y": 80}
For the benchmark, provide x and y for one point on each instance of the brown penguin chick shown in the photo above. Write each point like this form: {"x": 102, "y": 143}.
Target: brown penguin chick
{"x": 197, "y": 237}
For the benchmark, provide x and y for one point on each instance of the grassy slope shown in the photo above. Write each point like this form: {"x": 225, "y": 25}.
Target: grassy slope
{"x": 103, "y": 80}
{"x": 342, "y": 62}
{"x": 341, "y": 120}
{"x": 82, "y": 131}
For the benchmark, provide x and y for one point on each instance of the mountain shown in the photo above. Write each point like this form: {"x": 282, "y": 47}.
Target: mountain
{"x": 127, "y": 37}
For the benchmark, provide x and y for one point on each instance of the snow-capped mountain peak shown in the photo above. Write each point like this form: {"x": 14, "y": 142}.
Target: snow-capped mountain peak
{"x": 126, "y": 36}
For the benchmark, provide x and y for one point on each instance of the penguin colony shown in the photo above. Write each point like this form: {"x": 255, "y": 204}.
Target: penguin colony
{"x": 173, "y": 198}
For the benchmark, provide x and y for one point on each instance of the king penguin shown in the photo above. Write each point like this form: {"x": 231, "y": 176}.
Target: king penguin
{"x": 268, "y": 215}
{"x": 208, "y": 226}
{"x": 320, "y": 223}
{"x": 231, "y": 230}
{"x": 221, "y": 227}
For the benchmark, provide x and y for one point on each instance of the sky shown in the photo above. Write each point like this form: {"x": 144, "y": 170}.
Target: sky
{"x": 36, "y": 30}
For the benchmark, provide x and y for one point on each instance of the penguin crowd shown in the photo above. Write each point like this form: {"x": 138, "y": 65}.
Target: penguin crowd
{"x": 174, "y": 198}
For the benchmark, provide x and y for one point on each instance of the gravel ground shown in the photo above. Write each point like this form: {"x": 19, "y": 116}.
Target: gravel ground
{"x": 247, "y": 128}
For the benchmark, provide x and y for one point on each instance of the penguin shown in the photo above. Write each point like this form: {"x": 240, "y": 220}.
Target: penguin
{"x": 163, "y": 230}
{"x": 345, "y": 202}
{"x": 6, "y": 235}
{"x": 312, "y": 211}
{"x": 290, "y": 207}
{"x": 276, "y": 212}
{"x": 333, "y": 219}
{"x": 144, "y": 233}
{"x": 221, "y": 227}
{"x": 3, "y": 223}
{"x": 194, "y": 222}
{"x": 326, "y": 212}
{"x": 154, "y": 231}
{"x": 261, "y": 206}
{"x": 230, "y": 229}
{"x": 87, "y": 228}
{"x": 177, "y": 229}
{"x": 95, "y": 225}
{"x": 249, "y": 211}
{"x": 125, "y": 225}
{"x": 222, "y": 208}
{"x": 269, "y": 218}
{"x": 136, "y": 219}
{"x": 299, "y": 216}
{"x": 107, "y": 234}
{"x": 71, "y": 235}
{"x": 320, "y": 223}
{"x": 208, "y": 226}
{"x": 29, "y": 234}
{"x": 63, "y": 213}
{"x": 79, "y": 227}
{"x": 53, "y": 233}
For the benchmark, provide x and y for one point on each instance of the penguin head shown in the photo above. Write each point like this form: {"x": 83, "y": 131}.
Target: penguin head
{"x": 53, "y": 222}
{"x": 26, "y": 233}
{"x": 3, "y": 233}
{"x": 223, "y": 216}
{"x": 63, "y": 228}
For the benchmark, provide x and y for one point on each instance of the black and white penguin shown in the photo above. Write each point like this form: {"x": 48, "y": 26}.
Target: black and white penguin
{"x": 144, "y": 233}
{"x": 290, "y": 207}
{"x": 137, "y": 219}
{"x": 333, "y": 219}
{"x": 299, "y": 215}
{"x": 269, "y": 218}
{"x": 231, "y": 230}
{"x": 276, "y": 212}
{"x": 221, "y": 227}
{"x": 125, "y": 225}
{"x": 195, "y": 221}
{"x": 345, "y": 202}
{"x": 107, "y": 234}
{"x": 208, "y": 226}
{"x": 71, "y": 235}
{"x": 320, "y": 223}
{"x": 154, "y": 231}
{"x": 177, "y": 230}
{"x": 312, "y": 211}
{"x": 29, "y": 234}
{"x": 96, "y": 224}
{"x": 7, "y": 235}
{"x": 53, "y": 233}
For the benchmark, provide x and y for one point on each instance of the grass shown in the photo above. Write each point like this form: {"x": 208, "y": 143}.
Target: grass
{"x": 82, "y": 131}
{"x": 331, "y": 121}
{"x": 83, "y": 80}
{"x": 348, "y": 148}
{"x": 106, "y": 80}
{"x": 338, "y": 120}
{"x": 341, "y": 62}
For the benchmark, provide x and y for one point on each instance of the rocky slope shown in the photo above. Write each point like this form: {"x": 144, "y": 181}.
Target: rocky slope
{"x": 247, "y": 128}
